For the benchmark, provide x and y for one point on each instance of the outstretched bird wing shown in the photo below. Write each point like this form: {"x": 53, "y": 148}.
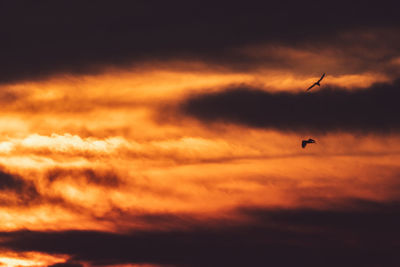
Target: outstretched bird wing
{"x": 303, "y": 143}
{"x": 320, "y": 79}
{"x": 309, "y": 88}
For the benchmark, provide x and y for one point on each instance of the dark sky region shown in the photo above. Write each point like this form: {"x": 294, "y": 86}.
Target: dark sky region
{"x": 275, "y": 237}
{"x": 91, "y": 176}
{"x": 374, "y": 109}
{"x": 43, "y": 38}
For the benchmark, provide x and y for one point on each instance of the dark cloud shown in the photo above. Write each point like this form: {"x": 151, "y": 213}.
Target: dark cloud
{"x": 25, "y": 190}
{"x": 97, "y": 177}
{"x": 11, "y": 182}
{"x": 66, "y": 264}
{"x": 327, "y": 109}
{"x": 44, "y": 37}
{"x": 363, "y": 234}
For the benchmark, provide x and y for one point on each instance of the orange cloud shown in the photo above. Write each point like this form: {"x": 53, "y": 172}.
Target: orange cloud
{"x": 29, "y": 259}
{"x": 100, "y": 156}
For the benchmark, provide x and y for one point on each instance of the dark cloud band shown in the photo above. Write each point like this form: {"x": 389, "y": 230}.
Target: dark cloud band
{"x": 365, "y": 236}
{"x": 46, "y": 38}
{"x": 66, "y": 264}
{"x": 375, "y": 109}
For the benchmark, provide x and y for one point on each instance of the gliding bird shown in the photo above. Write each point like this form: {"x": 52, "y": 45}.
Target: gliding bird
{"x": 305, "y": 142}
{"x": 317, "y": 83}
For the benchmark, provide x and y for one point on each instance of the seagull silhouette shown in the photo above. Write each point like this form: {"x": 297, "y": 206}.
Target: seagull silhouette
{"x": 305, "y": 142}
{"x": 317, "y": 83}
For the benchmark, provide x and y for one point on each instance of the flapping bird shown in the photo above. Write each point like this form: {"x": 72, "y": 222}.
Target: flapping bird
{"x": 317, "y": 83}
{"x": 305, "y": 142}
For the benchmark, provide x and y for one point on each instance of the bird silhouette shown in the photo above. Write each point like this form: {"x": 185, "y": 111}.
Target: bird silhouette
{"x": 305, "y": 142}
{"x": 317, "y": 83}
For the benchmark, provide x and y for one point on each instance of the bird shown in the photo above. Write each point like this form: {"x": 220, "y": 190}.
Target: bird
{"x": 317, "y": 83}
{"x": 305, "y": 142}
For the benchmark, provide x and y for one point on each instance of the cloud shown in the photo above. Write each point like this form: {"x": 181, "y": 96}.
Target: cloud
{"x": 90, "y": 176}
{"x": 362, "y": 234}
{"x": 66, "y": 264}
{"x": 24, "y": 190}
{"x": 41, "y": 40}
{"x": 51, "y": 186}
{"x": 183, "y": 149}
{"x": 327, "y": 109}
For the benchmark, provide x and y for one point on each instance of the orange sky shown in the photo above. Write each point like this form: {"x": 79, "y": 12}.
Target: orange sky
{"x": 99, "y": 155}
{"x": 168, "y": 134}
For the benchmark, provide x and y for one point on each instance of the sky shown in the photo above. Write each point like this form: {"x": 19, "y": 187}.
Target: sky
{"x": 168, "y": 133}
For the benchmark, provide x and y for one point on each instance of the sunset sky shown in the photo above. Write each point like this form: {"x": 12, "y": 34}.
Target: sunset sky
{"x": 168, "y": 133}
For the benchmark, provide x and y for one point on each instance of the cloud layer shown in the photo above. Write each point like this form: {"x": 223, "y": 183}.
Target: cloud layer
{"x": 374, "y": 109}
{"x": 169, "y": 134}
{"x": 41, "y": 39}
{"x": 362, "y": 234}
